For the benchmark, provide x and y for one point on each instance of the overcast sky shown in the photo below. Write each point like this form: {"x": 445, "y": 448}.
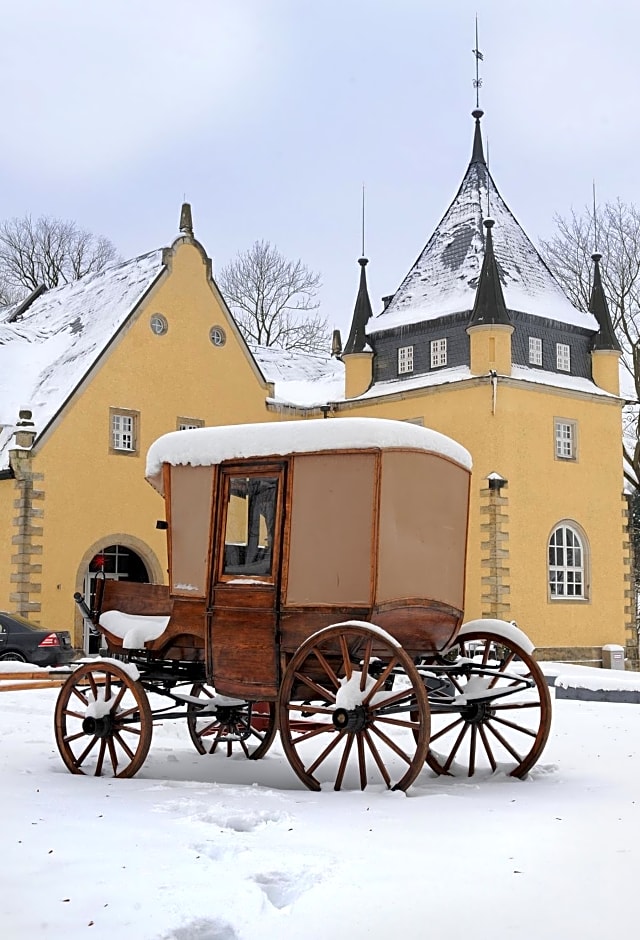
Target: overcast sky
{"x": 270, "y": 115}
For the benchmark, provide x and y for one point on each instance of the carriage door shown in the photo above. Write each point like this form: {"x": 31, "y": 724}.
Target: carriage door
{"x": 243, "y": 629}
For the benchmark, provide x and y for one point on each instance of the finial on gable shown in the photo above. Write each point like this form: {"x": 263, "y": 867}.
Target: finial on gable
{"x": 186, "y": 221}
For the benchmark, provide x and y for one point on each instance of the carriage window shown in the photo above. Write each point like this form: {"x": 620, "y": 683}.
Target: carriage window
{"x": 250, "y": 525}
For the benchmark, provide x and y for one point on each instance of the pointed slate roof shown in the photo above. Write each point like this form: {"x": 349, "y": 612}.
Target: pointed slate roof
{"x": 47, "y": 350}
{"x": 361, "y": 315}
{"x": 445, "y": 276}
{"x": 489, "y": 306}
{"x": 605, "y": 338}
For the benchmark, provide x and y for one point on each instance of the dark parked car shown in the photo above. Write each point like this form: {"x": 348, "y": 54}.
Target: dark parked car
{"x": 22, "y": 641}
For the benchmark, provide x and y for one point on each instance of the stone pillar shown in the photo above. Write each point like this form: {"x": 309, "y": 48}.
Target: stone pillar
{"x": 26, "y": 525}
{"x": 630, "y": 596}
{"x": 494, "y": 548}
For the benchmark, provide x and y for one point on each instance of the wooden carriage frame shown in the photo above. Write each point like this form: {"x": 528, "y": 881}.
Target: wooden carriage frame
{"x": 316, "y": 587}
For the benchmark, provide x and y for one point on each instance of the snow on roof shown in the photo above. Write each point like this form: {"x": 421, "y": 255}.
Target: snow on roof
{"x": 200, "y": 447}
{"x": 461, "y": 373}
{"x": 49, "y": 350}
{"x": 444, "y": 278}
{"x": 301, "y": 378}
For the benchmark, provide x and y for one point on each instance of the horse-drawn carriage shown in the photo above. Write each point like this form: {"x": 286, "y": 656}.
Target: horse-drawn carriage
{"x": 316, "y": 587}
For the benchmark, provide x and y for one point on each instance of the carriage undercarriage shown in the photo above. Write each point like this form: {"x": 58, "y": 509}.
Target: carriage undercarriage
{"x": 353, "y": 709}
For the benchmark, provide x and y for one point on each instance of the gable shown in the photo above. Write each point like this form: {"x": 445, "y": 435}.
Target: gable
{"x": 47, "y": 352}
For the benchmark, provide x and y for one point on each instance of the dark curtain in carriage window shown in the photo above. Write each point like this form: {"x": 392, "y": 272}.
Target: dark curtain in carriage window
{"x": 250, "y": 525}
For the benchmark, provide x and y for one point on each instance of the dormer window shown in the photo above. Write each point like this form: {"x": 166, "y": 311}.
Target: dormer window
{"x": 405, "y": 359}
{"x": 563, "y": 357}
{"x": 535, "y": 351}
{"x": 438, "y": 353}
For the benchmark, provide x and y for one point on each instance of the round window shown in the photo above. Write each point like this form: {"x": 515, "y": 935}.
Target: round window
{"x": 217, "y": 336}
{"x": 158, "y": 324}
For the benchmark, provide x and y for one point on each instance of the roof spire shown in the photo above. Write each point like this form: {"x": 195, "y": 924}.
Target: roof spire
{"x": 362, "y": 313}
{"x": 605, "y": 338}
{"x": 489, "y": 306}
{"x": 186, "y": 221}
{"x": 477, "y": 155}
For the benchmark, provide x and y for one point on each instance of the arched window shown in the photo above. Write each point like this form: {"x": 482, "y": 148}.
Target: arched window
{"x": 567, "y": 562}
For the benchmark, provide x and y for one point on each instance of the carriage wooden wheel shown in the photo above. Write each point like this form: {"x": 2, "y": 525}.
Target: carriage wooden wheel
{"x": 353, "y": 710}
{"x": 246, "y": 728}
{"x": 103, "y": 721}
{"x": 505, "y": 733}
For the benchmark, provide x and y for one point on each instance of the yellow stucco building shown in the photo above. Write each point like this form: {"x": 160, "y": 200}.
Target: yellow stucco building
{"x": 478, "y": 342}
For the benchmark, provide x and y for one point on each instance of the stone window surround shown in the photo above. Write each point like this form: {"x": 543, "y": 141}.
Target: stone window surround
{"x": 134, "y": 450}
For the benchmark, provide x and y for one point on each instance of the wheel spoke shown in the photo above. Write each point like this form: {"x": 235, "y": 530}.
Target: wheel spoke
{"x": 515, "y": 706}
{"x": 71, "y": 714}
{"x": 392, "y": 744}
{"x": 456, "y": 747}
{"x": 315, "y": 730}
{"x": 503, "y": 741}
{"x": 103, "y": 747}
{"x": 398, "y": 722}
{"x": 392, "y": 699}
{"x": 438, "y": 734}
{"x": 380, "y": 681}
{"x": 489, "y": 752}
{"x": 377, "y": 758}
{"x": 346, "y": 656}
{"x": 87, "y": 750}
{"x": 327, "y": 668}
{"x": 362, "y": 762}
{"x": 125, "y": 747}
{"x": 310, "y": 709}
{"x": 472, "y": 750}
{"x": 512, "y": 724}
{"x": 113, "y": 755}
{"x": 323, "y": 756}
{"x": 318, "y": 689}
{"x": 366, "y": 659}
{"x": 343, "y": 761}
{"x": 80, "y": 694}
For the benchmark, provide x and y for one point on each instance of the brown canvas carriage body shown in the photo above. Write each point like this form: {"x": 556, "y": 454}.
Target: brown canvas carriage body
{"x": 266, "y": 549}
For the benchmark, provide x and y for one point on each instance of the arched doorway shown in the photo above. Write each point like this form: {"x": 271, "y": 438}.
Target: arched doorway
{"x": 117, "y": 563}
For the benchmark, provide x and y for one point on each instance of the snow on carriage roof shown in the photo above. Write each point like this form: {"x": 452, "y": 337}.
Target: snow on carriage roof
{"x": 58, "y": 338}
{"x": 445, "y": 276}
{"x": 205, "y": 446}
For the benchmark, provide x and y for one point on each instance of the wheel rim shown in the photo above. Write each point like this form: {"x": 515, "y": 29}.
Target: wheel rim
{"x": 247, "y": 730}
{"x": 13, "y": 658}
{"x": 506, "y": 735}
{"x": 103, "y": 722}
{"x": 353, "y": 711}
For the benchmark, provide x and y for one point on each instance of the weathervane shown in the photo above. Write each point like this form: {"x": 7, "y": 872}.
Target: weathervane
{"x": 477, "y": 82}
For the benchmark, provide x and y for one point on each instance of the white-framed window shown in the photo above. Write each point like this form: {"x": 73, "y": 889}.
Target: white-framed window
{"x": 123, "y": 431}
{"x": 438, "y": 353}
{"x": 563, "y": 357}
{"x": 567, "y": 563}
{"x": 535, "y": 351}
{"x": 187, "y": 424}
{"x": 566, "y": 438}
{"x": 405, "y": 359}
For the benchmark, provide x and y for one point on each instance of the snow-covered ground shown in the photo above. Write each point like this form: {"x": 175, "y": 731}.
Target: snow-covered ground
{"x": 209, "y": 848}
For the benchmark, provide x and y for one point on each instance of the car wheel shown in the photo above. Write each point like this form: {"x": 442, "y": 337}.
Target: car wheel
{"x": 13, "y": 657}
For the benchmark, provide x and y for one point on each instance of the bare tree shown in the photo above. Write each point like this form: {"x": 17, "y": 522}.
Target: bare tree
{"x": 274, "y": 300}
{"x": 47, "y": 251}
{"x": 615, "y": 230}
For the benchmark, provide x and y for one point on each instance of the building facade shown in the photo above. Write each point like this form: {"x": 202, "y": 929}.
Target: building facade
{"x": 478, "y": 342}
